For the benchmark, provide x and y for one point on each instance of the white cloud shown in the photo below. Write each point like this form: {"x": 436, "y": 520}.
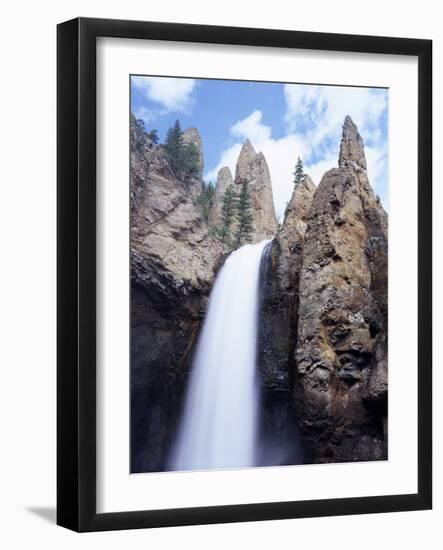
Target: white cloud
{"x": 317, "y": 170}
{"x": 304, "y": 105}
{"x": 175, "y": 94}
{"x": 251, "y": 127}
{"x": 318, "y": 112}
{"x": 147, "y": 115}
{"x": 228, "y": 158}
{"x": 321, "y": 110}
{"x": 314, "y": 119}
{"x": 281, "y": 155}
{"x": 376, "y": 158}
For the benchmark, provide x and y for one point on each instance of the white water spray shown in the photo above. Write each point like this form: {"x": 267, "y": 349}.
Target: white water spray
{"x": 219, "y": 426}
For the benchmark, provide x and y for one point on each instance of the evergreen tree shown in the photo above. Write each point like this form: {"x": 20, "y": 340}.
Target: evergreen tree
{"x": 229, "y": 210}
{"x": 173, "y": 147}
{"x": 140, "y": 138}
{"x": 190, "y": 160}
{"x": 204, "y": 200}
{"x": 298, "y": 173}
{"x": 153, "y": 136}
{"x": 245, "y": 217}
{"x": 182, "y": 157}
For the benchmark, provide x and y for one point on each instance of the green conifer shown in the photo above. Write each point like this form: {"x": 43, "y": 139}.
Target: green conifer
{"x": 298, "y": 173}
{"x": 173, "y": 146}
{"x": 229, "y": 210}
{"x": 245, "y": 217}
{"x": 204, "y": 200}
{"x": 183, "y": 157}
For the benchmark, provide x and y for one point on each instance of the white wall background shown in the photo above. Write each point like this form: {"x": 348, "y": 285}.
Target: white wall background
{"x": 27, "y": 272}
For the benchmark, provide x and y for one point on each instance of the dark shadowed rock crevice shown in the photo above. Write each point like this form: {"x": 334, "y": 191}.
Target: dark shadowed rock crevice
{"x": 161, "y": 350}
{"x": 278, "y": 328}
{"x": 278, "y": 438}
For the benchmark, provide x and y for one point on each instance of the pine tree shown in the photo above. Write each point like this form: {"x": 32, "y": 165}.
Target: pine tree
{"x": 183, "y": 157}
{"x": 190, "y": 160}
{"x": 141, "y": 139}
{"x": 229, "y": 209}
{"x": 245, "y": 217}
{"x": 153, "y": 136}
{"x": 298, "y": 173}
{"x": 173, "y": 147}
{"x": 204, "y": 200}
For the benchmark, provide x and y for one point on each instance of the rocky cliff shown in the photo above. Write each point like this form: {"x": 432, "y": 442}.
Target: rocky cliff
{"x": 278, "y": 321}
{"x": 253, "y": 168}
{"x": 173, "y": 261}
{"x": 341, "y": 353}
{"x": 327, "y": 276}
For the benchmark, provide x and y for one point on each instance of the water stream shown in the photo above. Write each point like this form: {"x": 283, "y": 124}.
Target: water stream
{"x": 219, "y": 425}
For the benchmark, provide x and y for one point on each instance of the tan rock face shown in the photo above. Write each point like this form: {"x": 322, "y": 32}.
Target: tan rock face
{"x": 245, "y": 168}
{"x": 352, "y": 151}
{"x": 224, "y": 179}
{"x": 298, "y": 206}
{"x": 252, "y": 168}
{"x": 291, "y": 234}
{"x": 341, "y": 351}
{"x": 173, "y": 264}
{"x": 323, "y": 327}
{"x": 168, "y": 228}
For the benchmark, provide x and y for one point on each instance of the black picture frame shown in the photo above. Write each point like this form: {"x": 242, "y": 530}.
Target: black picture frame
{"x": 76, "y": 281}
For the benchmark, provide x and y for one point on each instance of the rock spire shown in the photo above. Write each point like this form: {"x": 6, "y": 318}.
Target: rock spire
{"x": 253, "y": 168}
{"x": 352, "y": 151}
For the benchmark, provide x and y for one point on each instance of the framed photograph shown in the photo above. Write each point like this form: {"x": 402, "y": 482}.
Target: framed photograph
{"x": 244, "y": 274}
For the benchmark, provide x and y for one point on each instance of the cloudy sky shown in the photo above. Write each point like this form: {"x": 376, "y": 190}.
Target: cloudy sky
{"x": 282, "y": 120}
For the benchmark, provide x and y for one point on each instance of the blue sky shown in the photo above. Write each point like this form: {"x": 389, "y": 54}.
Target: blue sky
{"x": 282, "y": 120}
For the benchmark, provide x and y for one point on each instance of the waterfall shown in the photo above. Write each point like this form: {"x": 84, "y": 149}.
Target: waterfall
{"x": 219, "y": 425}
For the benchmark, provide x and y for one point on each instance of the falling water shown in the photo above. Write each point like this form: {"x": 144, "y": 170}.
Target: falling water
{"x": 219, "y": 426}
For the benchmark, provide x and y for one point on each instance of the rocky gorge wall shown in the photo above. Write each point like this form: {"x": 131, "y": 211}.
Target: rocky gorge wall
{"x": 173, "y": 264}
{"x": 325, "y": 310}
